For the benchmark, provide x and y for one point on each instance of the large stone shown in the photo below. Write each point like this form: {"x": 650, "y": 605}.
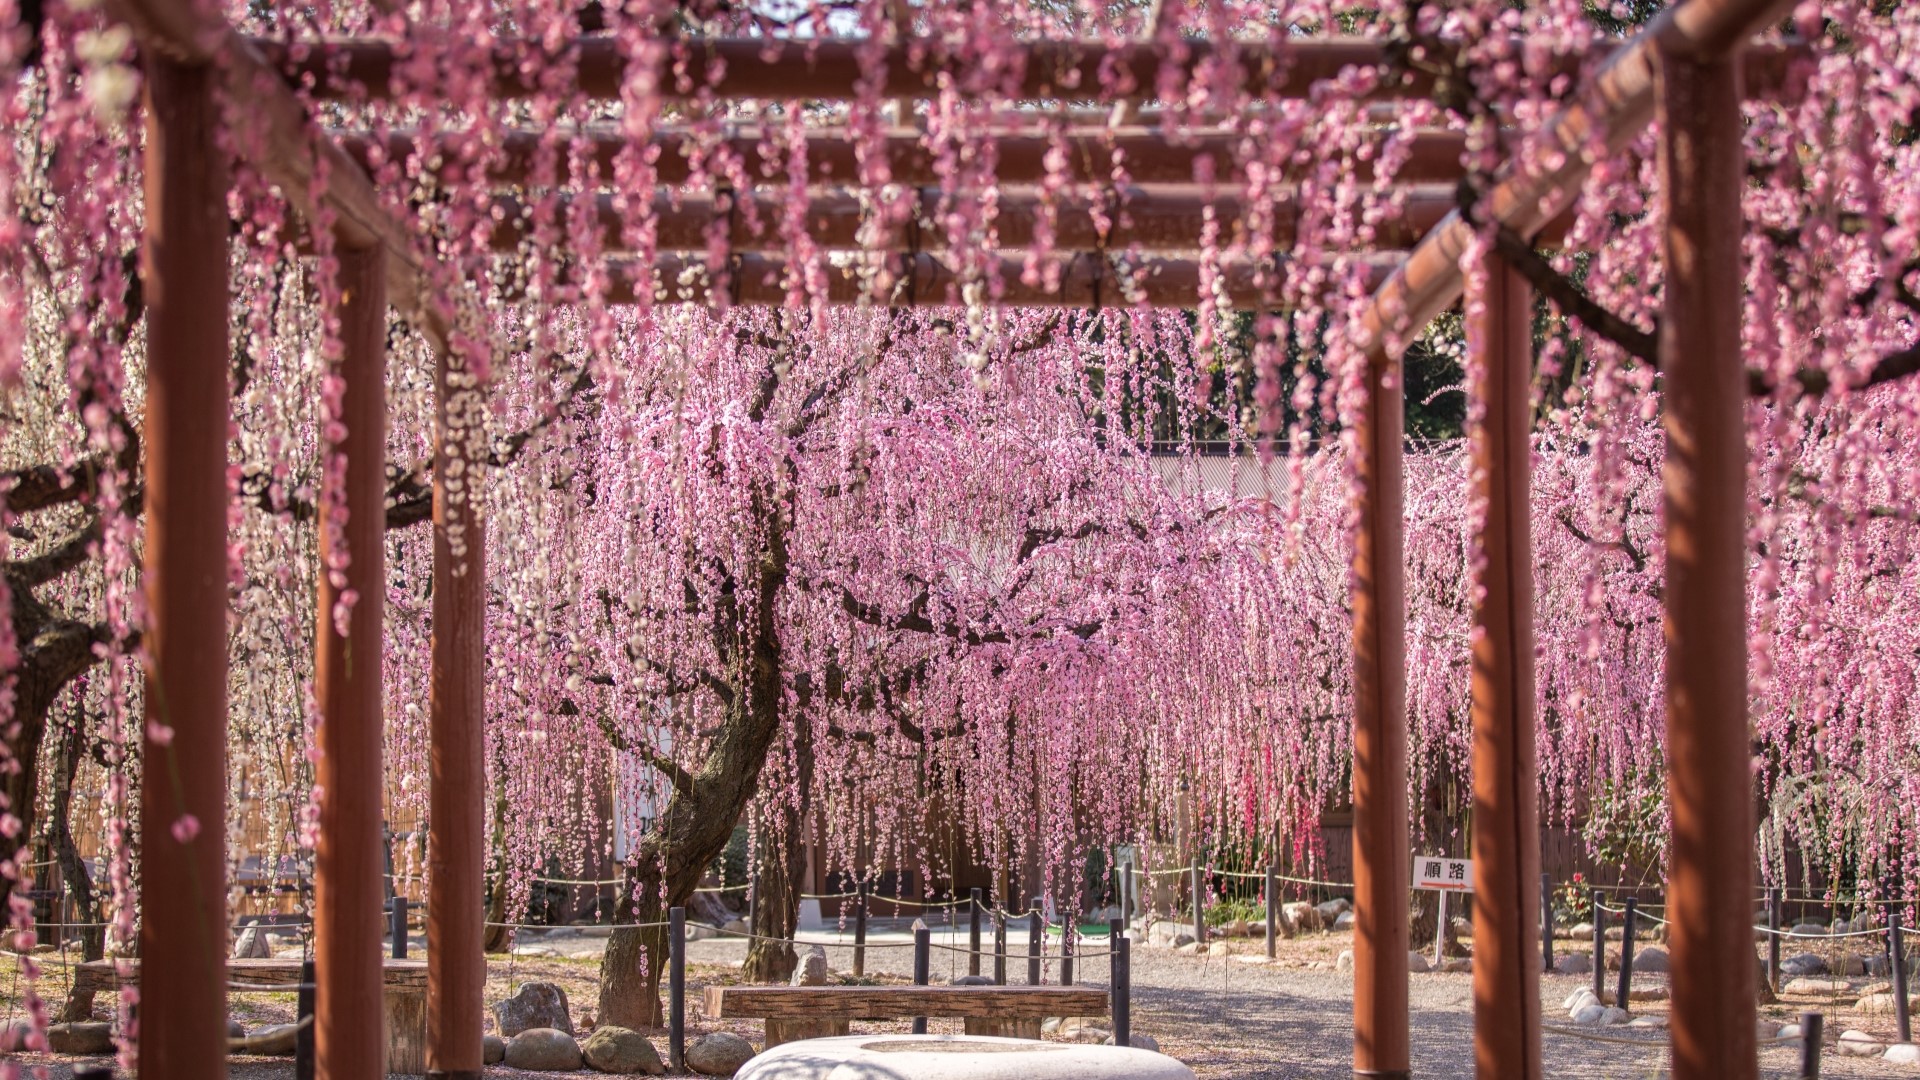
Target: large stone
{"x": 1418, "y": 963}
{"x": 812, "y": 968}
{"x": 1581, "y": 931}
{"x": 1302, "y": 916}
{"x": 1344, "y": 963}
{"x": 1589, "y": 1014}
{"x": 1579, "y": 999}
{"x": 236, "y": 1029}
{"x": 971, "y": 980}
{"x": 957, "y": 1057}
{"x": 1883, "y": 1003}
{"x": 493, "y": 1049}
{"x": 1614, "y": 1017}
{"x": 1904, "y": 1053}
{"x": 1457, "y": 965}
{"x": 1811, "y": 986}
{"x": 543, "y": 1049}
{"x": 1804, "y": 964}
{"x": 1185, "y": 941}
{"x": 537, "y": 1005}
{"x": 1652, "y": 960}
{"x": 617, "y": 1050}
{"x": 1331, "y": 910}
{"x": 1344, "y": 921}
{"x": 1220, "y": 948}
{"x": 721, "y": 1053}
{"x": 1847, "y": 964}
{"x": 252, "y": 944}
{"x": 1139, "y": 1042}
{"x": 1809, "y": 929}
{"x": 85, "y": 1037}
{"x": 1859, "y": 1044}
{"x": 1084, "y": 1029}
{"x": 1578, "y": 963}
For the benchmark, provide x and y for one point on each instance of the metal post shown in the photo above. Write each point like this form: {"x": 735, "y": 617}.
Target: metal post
{"x": 183, "y": 804}
{"x": 1902, "y": 1022}
{"x": 1035, "y": 922}
{"x": 1506, "y": 827}
{"x": 1546, "y": 922}
{"x": 1703, "y": 371}
{"x": 1273, "y": 911}
{"x": 999, "y": 949}
{"x": 1599, "y": 948}
{"x": 860, "y": 929}
{"x": 922, "y": 948}
{"x": 1199, "y": 908}
{"x": 303, "y": 1016}
{"x": 1069, "y": 930}
{"x": 1382, "y": 862}
{"x": 677, "y": 987}
{"x": 1628, "y": 927}
{"x": 1812, "y": 1042}
{"x": 456, "y": 709}
{"x": 1120, "y": 988}
{"x": 1131, "y": 909}
{"x": 973, "y": 932}
{"x": 397, "y": 927}
{"x": 1776, "y": 904}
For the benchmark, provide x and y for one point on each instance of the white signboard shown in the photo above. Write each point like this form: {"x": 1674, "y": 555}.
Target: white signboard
{"x": 1447, "y": 875}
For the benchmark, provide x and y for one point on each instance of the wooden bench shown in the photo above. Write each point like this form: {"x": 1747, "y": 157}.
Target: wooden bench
{"x": 812, "y": 1012}
{"x": 405, "y": 998}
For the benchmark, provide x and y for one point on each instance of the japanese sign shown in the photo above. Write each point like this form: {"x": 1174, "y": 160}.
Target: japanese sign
{"x": 1451, "y": 875}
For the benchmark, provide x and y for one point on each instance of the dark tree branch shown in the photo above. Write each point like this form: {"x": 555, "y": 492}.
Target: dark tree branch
{"x": 1574, "y": 303}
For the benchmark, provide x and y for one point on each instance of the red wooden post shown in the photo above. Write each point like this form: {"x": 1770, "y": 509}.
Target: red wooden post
{"x": 348, "y": 862}
{"x": 183, "y": 797}
{"x": 1506, "y": 828}
{"x": 1711, "y": 874}
{"x": 1381, "y": 858}
{"x": 456, "y": 840}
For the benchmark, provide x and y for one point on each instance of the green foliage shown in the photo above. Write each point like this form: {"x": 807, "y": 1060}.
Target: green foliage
{"x": 1623, "y": 826}
{"x": 1235, "y": 908}
{"x": 730, "y": 866}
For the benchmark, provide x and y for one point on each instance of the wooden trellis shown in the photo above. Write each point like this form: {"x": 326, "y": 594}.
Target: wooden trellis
{"x": 1690, "y": 66}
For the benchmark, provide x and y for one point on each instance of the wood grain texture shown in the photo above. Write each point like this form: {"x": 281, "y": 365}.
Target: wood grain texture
{"x": 889, "y": 1002}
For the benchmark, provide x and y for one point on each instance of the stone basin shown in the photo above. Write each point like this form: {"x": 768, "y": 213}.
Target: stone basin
{"x": 956, "y": 1057}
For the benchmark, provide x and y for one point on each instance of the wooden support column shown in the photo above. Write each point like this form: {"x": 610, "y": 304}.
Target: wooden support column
{"x": 1710, "y": 873}
{"x": 348, "y": 861}
{"x": 1506, "y": 826}
{"x": 1381, "y": 857}
{"x": 183, "y": 795}
{"x": 456, "y": 839}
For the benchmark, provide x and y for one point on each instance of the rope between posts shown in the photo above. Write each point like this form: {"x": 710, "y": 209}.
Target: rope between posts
{"x": 596, "y": 926}
{"x": 1653, "y": 1043}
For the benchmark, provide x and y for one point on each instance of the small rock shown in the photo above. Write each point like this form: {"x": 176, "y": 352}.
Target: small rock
{"x": 1188, "y": 947}
{"x": 812, "y": 968}
{"x": 1788, "y": 1031}
{"x": 1331, "y": 910}
{"x": 1343, "y": 921}
{"x": 1647, "y": 1022}
{"x": 1573, "y": 963}
{"x": 971, "y": 980}
{"x": 1811, "y": 986}
{"x": 1579, "y": 998}
{"x": 493, "y": 1049}
{"x": 252, "y": 945}
{"x": 85, "y": 1037}
{"x": 1589, "y": 1014}
{"x": 235, "y": 1029}
{"x": 1182, "y": 940}
{"x": 1904, "y": 1053}
{"x": 1810, "y": 929}
{"x": 1087, "y": 1029}
{"x": 1848, "y": 965}
{"x": 736, "y": 926}
{"x": 1581, "y": 931}
{"x": 1881, "y": 987}
{"x": 1883, "y": 1003}
{"x": 1652, "y": 960}
{"x": 1457, "y": 965}
{"x": 1302, "y": 916}
{"x": 1860, "y": 1044}
{"x": 1345, "y": 962}
{"x": 1139, "y": 1042}
{"x": 543, "y": 1049}
{"x": 1220, "y": 948}
{"x": 274, "y": 1039}
{"x": 721, "y": 1053}
{"x": 1614, "y": 1017}
{"x": 1803, "y": 964}
{"x": 537, "y": 1005}
{"x": 1879, "y": 964}
{"x": 1418, "y": 963}
{"x": 1462, "y": 926}
{"x": 620, "y": 1051}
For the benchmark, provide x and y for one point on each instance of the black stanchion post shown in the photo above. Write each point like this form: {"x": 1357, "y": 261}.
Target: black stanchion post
{"x": 922, "y": 947}
{"x": 303, "y": 1016}
{"x": 677, "y": 988}
{"x": 1126, "y": 892}
{"x": 1273, "y": 912}
{"x": 1902, "y": 1021}
{"x": 1776, "y": 901}
{"x": 1546, "y": 922}
{"x": 999, "y": 949}
{"x": 1131, "y": 908}
{"x": 860, "y": 929}
{"x": 1626, "y": 952}
{"x": 397, "y": 927}
{"x": 1035, "y": 923}
{"x": 1599, "y": 948}
{"x": 1812, "y": 1038}
{"x": 973, "y": 933}
{"x": 1119, "y": 988}
{"x": 1199, "y": 908}
{"x": 1067, "y": 941}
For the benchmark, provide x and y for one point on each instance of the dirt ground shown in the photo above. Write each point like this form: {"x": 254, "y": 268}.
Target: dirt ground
{"x": 1235, "y": 1017}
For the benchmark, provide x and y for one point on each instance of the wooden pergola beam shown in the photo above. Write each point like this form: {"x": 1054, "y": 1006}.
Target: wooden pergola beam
{"x": 1150, "y": 219}
{"x": 771, "y": 69}
{"x": 1615, "y": 107}
{"x": 1150, "y": 156}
